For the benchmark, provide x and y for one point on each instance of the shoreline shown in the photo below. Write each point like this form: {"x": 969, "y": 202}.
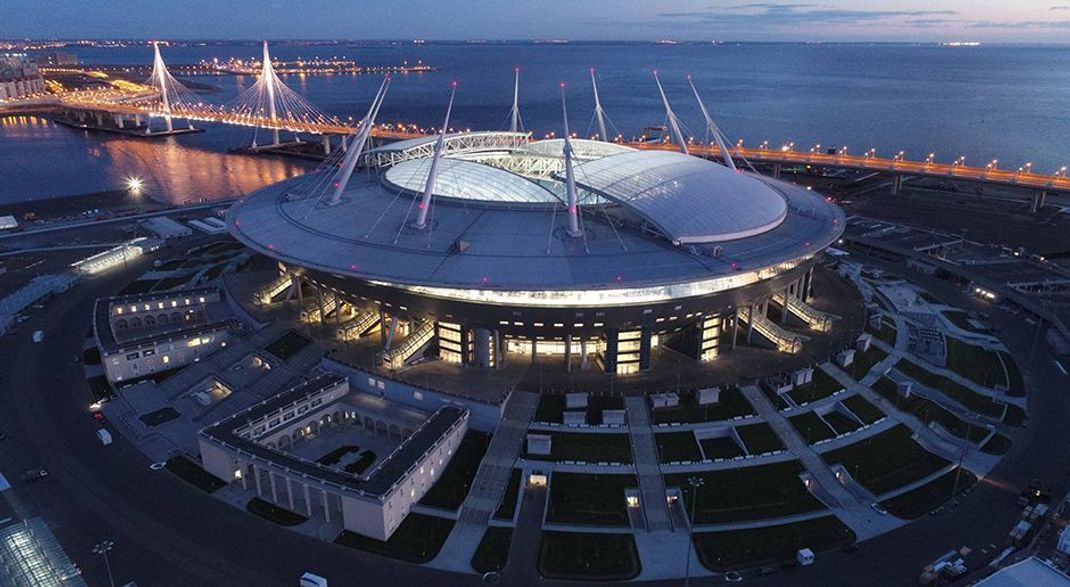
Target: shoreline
{"x": 100, "y": 205}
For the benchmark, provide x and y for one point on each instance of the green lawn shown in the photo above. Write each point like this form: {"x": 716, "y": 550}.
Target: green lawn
{"x": 493, "y": 550}
{"x": 865, "y": 361}
{"x": 732, "y": 403}
{"x": 193, "y": 474}
{"x": 721, "y": 448}
{"x": 974, "y": 401}
{"x": 677, "y": 446}
{"x": 739, "y": 549}
{"x": 274, "y": 513}
{"x": 962, "y": 320}
{"x": 840, "y": 423}
{"x": 550, "y": 408}
{"x": 759, "y": 438}
{"x": 823, "y": 385}
{"x": 811, "y": 427}
{"x": 747, "y": 493}
{"x": 1016, "y": 386}
{"x": 861, "y": 407}
{"x": 585, "y": 556}
{"x": 921, "y": 500}
{"x": 997, "y": 445}
{"x": 588, "y": 447}
{"x": 507, "y": 508}
{"x": 928, "y": 411}
{"x": 886, "y": 461}
{"x": 977, "y": 364}
{"x": 886, "y": 333}
{"x": 417, "y": 540}
{"x": 452, "y": 487}
{"x": 777, "y": 400}
{"x": 287, "y": 345}
{"x": 589, "y": 499}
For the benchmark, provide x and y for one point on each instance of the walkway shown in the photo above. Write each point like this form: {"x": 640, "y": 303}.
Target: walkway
{"x": 489, "y": 484}
{"x": 855, "y": 513}
{"x": 647, "y": 469}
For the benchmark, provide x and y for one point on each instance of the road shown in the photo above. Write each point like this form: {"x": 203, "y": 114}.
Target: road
{"x": 165, "y": 531}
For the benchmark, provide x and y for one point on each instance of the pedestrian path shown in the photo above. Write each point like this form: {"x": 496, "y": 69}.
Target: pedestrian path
{"x": 489, "y": 484}
{"x": 647, "y": 468}
{"x": 857, "y": 514}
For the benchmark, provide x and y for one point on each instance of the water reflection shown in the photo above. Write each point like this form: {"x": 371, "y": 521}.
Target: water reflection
{"x": 43, "y": 159}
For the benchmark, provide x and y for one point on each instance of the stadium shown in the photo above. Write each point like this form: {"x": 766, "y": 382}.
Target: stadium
{"x": 486, "y": 247}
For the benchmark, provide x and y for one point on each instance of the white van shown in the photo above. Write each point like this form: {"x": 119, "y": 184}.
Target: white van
{"x": 38, "y": 335}
{"x": 313, "y": 580}
{"x": 104, "y": 436}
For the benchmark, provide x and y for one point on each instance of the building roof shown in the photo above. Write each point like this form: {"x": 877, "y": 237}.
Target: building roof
{"x": 377, "y": 482}
{"x": 502, "y": 239}
{"x": 468, "y": 180}
{"x": 691, "y": 200}
{"x": 1031, "y": 572}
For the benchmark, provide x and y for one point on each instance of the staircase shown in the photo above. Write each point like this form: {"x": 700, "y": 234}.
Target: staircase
{"x": 276, "y": 288}
{"x": 785, "y": 340}
{"x": 360, "y": 324}
{"x": 814, "y": 318}
{"x": 396, "y": 357}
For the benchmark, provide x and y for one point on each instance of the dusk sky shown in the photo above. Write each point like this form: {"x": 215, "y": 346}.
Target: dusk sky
{"x": 1028, "y": 21}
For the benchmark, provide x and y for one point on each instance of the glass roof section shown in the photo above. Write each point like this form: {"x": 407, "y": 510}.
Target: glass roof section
{"x": 582, "y": 148}
{"x": 690, "y": 200}
{"x": 468, "y": 180}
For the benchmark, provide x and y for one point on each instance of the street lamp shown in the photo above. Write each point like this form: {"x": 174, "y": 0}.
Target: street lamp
{"x": 103, "y": 548}
{"x": 695, "y": 482}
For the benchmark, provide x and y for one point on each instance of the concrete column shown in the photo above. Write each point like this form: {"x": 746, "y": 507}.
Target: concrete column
{"x": 137, "y": 120}
{"x": 809, "y": 285}
{"x": 326, "y": 506}
{"x": 482, "y": 341}
{"x": 274, "y": 487}
{"x": 750, "y": 323}
{"x": 100, "y": 119}
{"x": 776, "y": 170}
{"x": 583, "y": 353}
{"x": 1038, "y": 201}
{"x": 345, "y": 140}
{"x": 533, "y": 347}
{"x": 319, "y": 300}
{"x": 256, "y": 475}
{"x": 290, "y": 492}
{"x": 118, "y": 120}
{"x": 644, "y": 347}
{"x": 897, "y": 184}
{"x": 568, "y": 353}
{"x": 326, "y": 145}
{"x": 308, "y": 501}
{"x": 499, "y": 350}
{"x": 735, "y": 327}
{"x": 244, "y": 476}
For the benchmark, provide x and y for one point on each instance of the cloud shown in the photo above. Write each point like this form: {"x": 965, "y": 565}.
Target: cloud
{"x": 774, "y": 14}
{"x": 1023, "y": 24}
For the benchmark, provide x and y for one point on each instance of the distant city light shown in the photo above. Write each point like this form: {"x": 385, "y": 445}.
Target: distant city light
{"x": 134, "y": 184}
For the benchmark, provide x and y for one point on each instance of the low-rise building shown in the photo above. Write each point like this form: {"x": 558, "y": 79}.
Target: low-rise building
{"x": 142, "y": 334}
{"x": 307, "y": 450}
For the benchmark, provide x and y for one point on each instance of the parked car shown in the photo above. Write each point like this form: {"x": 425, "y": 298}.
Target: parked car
{"x": 34, "y": 475}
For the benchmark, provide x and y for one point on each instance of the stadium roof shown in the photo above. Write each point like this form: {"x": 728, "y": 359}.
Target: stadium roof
{"x": 468, "y": 180}
{"x": 689, "y": 199}
{"x": 581, "y": 148}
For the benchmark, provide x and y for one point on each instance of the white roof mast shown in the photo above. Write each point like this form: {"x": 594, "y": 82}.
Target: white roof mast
{"x": 515, "y": 124}
{"x": 570, "y": 175}
{"x": 429, "y": 187}
{"x": 711, "y": 127}
{"x": 598, "y": 113}
{"x": 674, "y": 123}
{"x": 356, "y": 146}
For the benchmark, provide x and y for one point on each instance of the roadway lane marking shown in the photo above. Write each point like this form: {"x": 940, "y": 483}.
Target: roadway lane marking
{"x": 1061, "y": 368}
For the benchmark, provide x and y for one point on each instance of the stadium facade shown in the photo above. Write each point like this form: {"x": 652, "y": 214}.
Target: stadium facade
{"x": 482, "y": 247}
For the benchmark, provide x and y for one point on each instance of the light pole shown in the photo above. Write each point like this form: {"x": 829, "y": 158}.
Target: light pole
{"x": 695, "y": 482}
{"x": 102, "y": 548}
